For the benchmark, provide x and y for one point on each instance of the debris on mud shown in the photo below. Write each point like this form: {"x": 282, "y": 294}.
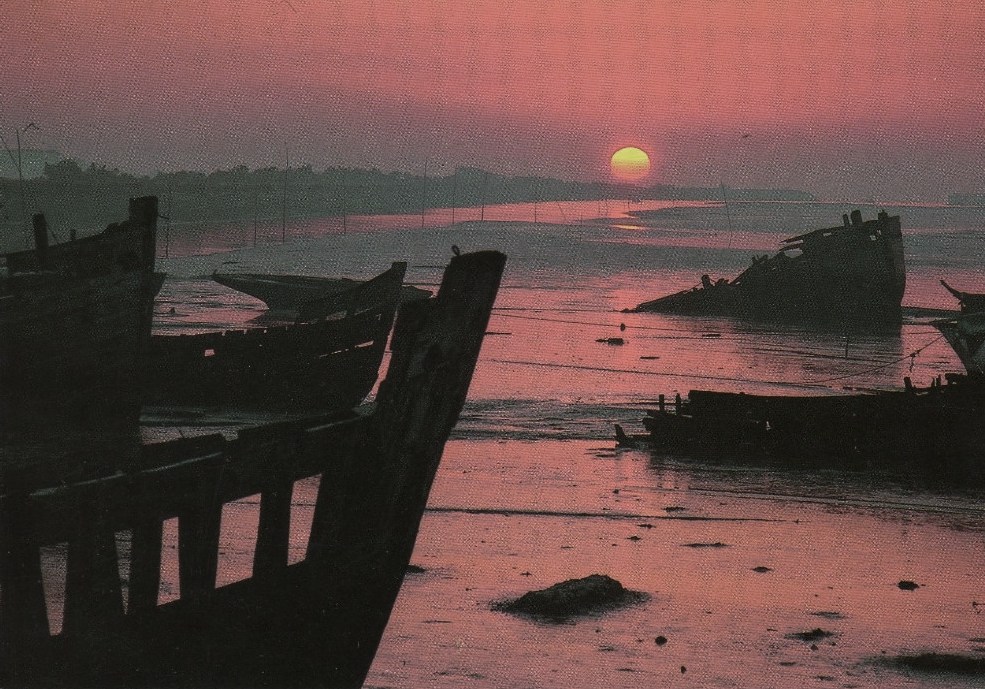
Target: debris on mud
{"x": 908, "y": 585}
{"x": 943, "y": 662}
{"x": 592, "y": 594}
{"x": 716, "y": 544}
{"x": 813, "y": 635}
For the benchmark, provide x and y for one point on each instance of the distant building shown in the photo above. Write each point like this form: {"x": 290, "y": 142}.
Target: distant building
{"x": 32, "y": 162}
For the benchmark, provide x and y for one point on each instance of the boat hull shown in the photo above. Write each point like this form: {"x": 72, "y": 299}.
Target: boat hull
{"x": 934, "y": 430}
{"x": 850, "y": 275}
{"x": 313, "y": 623}
{"x": 292, "y": 292}
{"x": 328, "y": 363}
{"x": 75, "y": 319}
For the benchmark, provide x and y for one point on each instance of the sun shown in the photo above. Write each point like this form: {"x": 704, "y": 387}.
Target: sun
{"x": 630, "y": 164}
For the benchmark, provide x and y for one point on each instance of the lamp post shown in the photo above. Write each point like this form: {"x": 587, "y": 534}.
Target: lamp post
{"x": 18, "y": 163}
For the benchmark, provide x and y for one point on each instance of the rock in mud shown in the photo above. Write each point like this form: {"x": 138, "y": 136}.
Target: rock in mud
{"x": 907, "y": 585}
{"x": 574, "y": 597}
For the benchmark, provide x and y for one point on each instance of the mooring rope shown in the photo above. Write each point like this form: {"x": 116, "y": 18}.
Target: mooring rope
{"x": 911, "y": 356}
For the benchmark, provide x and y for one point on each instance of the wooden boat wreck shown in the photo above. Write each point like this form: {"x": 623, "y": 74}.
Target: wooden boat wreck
{"x": 935, "y": 430}
{"x": 312, "y": 623}
{"x": 293, "y": 292}
{"x": 328, "y": 359}
{"x": 850, "y": 274}
{"x": 966, "y": 335}
{"x": 968, "y": 302}
{"x": 75, "y": 318}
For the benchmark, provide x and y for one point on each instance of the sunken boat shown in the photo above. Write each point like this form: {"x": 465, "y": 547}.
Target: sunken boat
{"x": 311, "y": 620}
{"x": 328, "y": 359}
{"x": 75, "y": 318}
{"x": 851, "y": 274}
{"x": 294, "y": 292}
{"x": 933, "y": 430}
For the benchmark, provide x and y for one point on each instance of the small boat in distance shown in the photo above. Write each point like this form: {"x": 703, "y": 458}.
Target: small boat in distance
{"x": 75, "y": 318}
{"x": 327, "y": 360}
{"x": 291, "y": 292}
{"x": 969, "y": 302}
{"x": 852, "y": 274}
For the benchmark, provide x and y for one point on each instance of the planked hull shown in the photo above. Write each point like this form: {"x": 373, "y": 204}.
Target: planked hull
{"x": 75, "y": 319}
{"x": 848, "y": 275}
{"x": 314, "y": 623}
{"x": 324, "y": 364}
{"x": 292, "y": 292}
{"x": 933, "y": 431}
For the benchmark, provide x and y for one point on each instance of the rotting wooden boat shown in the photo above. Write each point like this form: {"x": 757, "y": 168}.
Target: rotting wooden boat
{"x": 292, "y": 292}
{"x": 928, "y": 429}
{"x": 933, "y": 431}
{"x": 966, "y": 335}
{"x": 313, "y": 623}
{"x": 74, "y": 320}
{"x": 329, "y": 359}
{"x": 968, "y": 302}
{"x": 850, "y": 274}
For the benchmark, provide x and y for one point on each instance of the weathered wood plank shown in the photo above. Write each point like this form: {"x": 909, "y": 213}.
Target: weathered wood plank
{"x": 93, "y": 595}
{"x": 273, "y": 532}
{"x": 23, "y": 613}
{"x": 145, "y": 565}
{"x": 198, "y": 536}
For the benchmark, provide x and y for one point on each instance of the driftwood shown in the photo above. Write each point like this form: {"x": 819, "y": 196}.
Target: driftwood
{"x": 312, "y": 623}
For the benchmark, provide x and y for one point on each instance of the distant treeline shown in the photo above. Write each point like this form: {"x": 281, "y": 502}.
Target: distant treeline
{"x": 966, "y": 199}
{"x": 71, "y": 196}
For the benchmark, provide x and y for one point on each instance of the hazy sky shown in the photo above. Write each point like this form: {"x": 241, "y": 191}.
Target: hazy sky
{"x": 844, "y": 98}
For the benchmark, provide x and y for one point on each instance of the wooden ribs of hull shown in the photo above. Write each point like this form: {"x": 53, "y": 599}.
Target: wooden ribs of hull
{"x": 315, "y": 623}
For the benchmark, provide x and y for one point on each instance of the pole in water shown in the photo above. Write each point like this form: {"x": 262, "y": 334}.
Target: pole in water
{"x": 454, "y": 193}
{"x": 344, "y": 194}
{"x": 167, "y": 227}
{"x": 482, "y": 212}
{"x": 283, "y": 214}
{"x": 424, "y": 193}
{"x": 728, "y": 216}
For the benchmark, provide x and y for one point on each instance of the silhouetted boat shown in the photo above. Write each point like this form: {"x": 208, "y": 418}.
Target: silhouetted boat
{"x": 934, "y": 430}
{"x": 850, "y": 274}
{"x": 292, "y": 292}
{"x": 75, "y": 318}
{"x": 966, "y": 335}
{"x": 969, "y": 302}
{"x": 311, "y": 623}
{"x": 327, "y": 360}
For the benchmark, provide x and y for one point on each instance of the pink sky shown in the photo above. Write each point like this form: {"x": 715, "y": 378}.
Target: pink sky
{"x": 848, "y": 99}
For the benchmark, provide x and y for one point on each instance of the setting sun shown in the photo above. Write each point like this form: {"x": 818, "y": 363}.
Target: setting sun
{"x": 630, "y": 164}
